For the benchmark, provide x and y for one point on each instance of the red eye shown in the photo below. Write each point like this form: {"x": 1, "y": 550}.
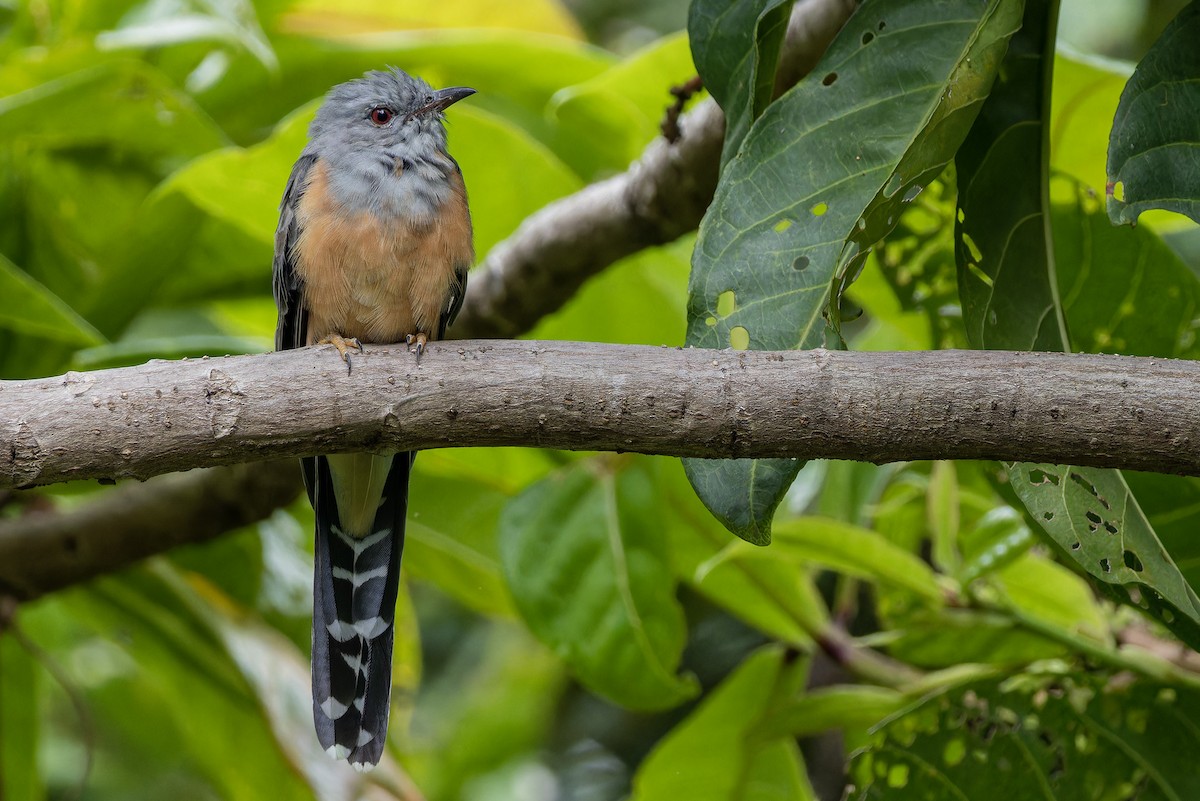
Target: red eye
{"x": 380, "y": 115}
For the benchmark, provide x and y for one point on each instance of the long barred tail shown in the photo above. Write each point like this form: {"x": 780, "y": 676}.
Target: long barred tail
{"x": 360, "y": 501}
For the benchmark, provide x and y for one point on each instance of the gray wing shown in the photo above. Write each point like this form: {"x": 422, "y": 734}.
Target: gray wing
{"x": 291, "y": 330}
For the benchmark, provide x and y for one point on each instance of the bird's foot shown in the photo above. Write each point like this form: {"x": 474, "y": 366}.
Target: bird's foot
{"x": 344, "y": 345}
{"x": 416, "y": 343}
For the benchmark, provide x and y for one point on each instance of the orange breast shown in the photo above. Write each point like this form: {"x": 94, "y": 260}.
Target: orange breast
{"x": 373, "y": 279}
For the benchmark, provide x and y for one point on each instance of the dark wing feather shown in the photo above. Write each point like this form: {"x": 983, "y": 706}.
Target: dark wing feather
{"x": 458, "y": 290}
{"x": 291, "y": 331}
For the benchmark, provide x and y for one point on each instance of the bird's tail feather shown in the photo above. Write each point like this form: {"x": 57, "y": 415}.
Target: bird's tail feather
{"x": 355, "y": 583}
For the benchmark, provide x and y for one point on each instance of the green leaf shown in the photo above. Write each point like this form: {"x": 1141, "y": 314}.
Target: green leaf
{"x": 204, "y": 710}
{"x": 1053, "y": 738}
{"x": 942, "y": 511}
{"x": 606, "y": 122}
{"x": 1172, "y": 505}
{"x": 853, "y": 707}
{"x": 998, "y": 539}
{"x": 155, "y": 25}
{"x": 716, "y": 755}
{"x": 1123, "y": 289}
{"x": 768, "y": 594}
{"x": 123, "y": 105}
{"x": 19, "y": 723}
{"x": 1035, "y": 585}
{"x": 822, "y": 175}
{"x": 451, "y": 539}
{"x": 1005, "y": 253}
{"x": 1092, "y": 515}
{"x": 736, "y": 50}
{"x": 32, "y": 309}
{"x": 855, "y": 551}
{"x": 1154, "y": 150}
{"x": 587, "y": 564}
{"x": 1086, "y": 89}
{"x": 743, "y": 493}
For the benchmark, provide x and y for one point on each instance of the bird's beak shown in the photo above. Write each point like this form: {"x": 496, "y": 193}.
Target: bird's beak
{"x": 443, "y": 99}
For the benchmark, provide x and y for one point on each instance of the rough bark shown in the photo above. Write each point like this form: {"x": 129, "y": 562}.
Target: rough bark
{"x": 1112, "y": 411}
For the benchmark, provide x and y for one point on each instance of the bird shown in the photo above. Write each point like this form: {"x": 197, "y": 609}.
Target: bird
{"x": 373, "y": 246}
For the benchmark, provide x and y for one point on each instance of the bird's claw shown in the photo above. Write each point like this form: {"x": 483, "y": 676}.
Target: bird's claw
{"x": 420, "y": 341}
{"x": 344, "y": 345}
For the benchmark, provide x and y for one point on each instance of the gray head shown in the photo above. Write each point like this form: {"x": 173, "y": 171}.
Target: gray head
{"x": 384, "y": 124}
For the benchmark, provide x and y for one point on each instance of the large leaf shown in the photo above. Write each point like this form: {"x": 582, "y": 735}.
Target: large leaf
{"x": 719, "y": 754}
{"x": 1122, "y": 289}
{"x": 587, "y": 564}
{"x": 1154, "y": 151}
{"x": 123, "y": 105}
{"x": 1051, "y": 738}
{"x": 451, "y": 540}
{"x": 1094, "y": 517}
{"x": 1006, "y": 278}
{"x": 823, "y": 175}
{"x": 32, "y": 309}
{"x": 736, "y": 50}
{"x": 606, "y": 122}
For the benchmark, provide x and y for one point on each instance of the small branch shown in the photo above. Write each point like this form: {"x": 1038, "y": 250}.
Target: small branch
{"x": 682, "y": 94}
{"x": 45, "y": 551}
{"x": 1108, "y": 411}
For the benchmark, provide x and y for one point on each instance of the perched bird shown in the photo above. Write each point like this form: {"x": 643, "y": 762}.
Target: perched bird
{"x": 373, "y": 246}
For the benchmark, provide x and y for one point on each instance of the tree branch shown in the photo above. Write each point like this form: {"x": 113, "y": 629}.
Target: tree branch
{"x": 48, "y": 550}
{"x": 525, "y": 278}
{"x": 1111, "y": 411}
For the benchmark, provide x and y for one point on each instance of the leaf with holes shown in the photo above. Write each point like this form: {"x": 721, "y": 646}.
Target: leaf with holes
{"x": 1003, "y": 241}
{"x": 586, "y": 561}
{"x": 1059, "y": 739}
{"x": 822, "y": 175}
{"x": 1094, "y": 517}
{"x": 1154, "y": 150}
{"x": 736, "y": 49}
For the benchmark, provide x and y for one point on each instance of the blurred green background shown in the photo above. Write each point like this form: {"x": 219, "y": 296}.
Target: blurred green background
{"x": 143, "y": 150}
